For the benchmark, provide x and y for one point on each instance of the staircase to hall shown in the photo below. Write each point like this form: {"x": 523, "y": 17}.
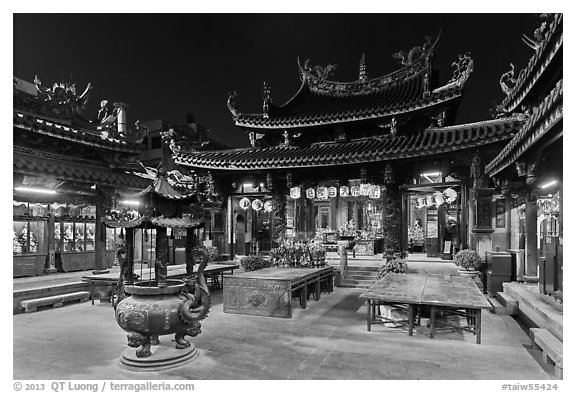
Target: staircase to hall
{"x": 360, "y": 276}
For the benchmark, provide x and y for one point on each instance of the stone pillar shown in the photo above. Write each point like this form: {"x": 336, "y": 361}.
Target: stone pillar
{"x": 231, "y": 228}
{"x": 161, "y": 263}
{"x": 51, "y": 268}
{"x": 531, "y": 247}
{"x": 102, "y": 201}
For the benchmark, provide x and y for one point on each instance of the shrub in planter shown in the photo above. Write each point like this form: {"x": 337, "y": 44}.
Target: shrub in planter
{"x": 213, "y": 252}
{"x": 254, "y": 262}
{"x": 393, "y": 264}
{"x": 468, "y": 260}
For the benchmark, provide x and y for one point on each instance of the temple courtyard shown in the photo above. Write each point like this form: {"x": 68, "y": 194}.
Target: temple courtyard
{"x": 328, "y": 340}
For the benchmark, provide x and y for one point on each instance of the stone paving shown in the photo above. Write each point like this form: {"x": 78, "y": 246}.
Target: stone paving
{"x": 328, "y": 340}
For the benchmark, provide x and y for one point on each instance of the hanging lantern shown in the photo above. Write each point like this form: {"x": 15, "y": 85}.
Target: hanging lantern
{"x": 450, "y": 195}
{"x": 438, "y": 199}
{"x": 365, "y": 189}
{"x": 268, "y": 206}
{"x": 429, "y": 200}
{"x": 269, "y": 181}
{"x": 257, "y": 204}
{"x": 344, "y": 191}
{"x": 355, "y": 191}
{"x": 375, "y": 192}
{"x": 322, "y": 193}
{"x": 310, "y": 193}
{"x": 244, "y": 203}
{"x": 332, "y": 192}
{"x": 295, "y": 192}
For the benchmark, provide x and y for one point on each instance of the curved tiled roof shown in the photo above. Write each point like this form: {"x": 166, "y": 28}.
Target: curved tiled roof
{"x": 67, "y": 132}
{"x": 538, "y": 63}
{"x": 75, "y": 171}
{"x": 542, "y": 120}
{"x": 429, "y": 142}
{"x": 320, "y": 101}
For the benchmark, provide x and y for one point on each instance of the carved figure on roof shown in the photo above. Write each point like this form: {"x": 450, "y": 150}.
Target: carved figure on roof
{"x": 104, "y": 112}
{"x": 254, "y": 137}
{"x": 539, "y": 33}
{"x": 508, "y": 81}
{"x": 232, "y": 103}
{"x": 463, "y": 67}
{"x": 414, "y": 54}
{"x": 317, "y": 71}
{"x": 64, "y": 93}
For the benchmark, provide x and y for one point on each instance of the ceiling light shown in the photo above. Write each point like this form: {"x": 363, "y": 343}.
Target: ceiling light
{"x": 549, "y": 184}
{"x": 248, "y": 185}
{"x": 36, "y": 190}
{"x": 130, "y": 202}
{"x": 431, "y": 174}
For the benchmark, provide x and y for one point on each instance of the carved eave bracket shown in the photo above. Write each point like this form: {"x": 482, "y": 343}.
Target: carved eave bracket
{"x": 462, "y": 68}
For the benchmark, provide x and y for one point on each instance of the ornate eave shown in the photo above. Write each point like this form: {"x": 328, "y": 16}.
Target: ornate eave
{"x": 432, "y": 141}
{"x": 31, "y": 162}
{"x": 540, "y": 123}
{"x": 40, "y": 125}
{"x": 544, "y": 54}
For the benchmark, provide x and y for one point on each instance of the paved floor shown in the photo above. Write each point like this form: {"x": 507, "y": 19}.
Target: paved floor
{"x": 326, "y": 341}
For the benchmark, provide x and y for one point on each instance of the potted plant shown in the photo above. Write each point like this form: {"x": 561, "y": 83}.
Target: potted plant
{"x": 254, "y": 262}
{"x": 391, "y": 315}
{"x": 469, "y": 261}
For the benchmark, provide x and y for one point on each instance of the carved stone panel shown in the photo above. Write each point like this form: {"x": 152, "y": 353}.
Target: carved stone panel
{"x": 269, "y": 298}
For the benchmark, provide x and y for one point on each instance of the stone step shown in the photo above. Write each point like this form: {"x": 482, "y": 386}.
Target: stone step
{"x": 552, "y": 349}
{"x": 497, "y": 307}
{"x": 31, "y": 305}
{"x": 535, "y": 309}
{"x": 508, "y": 303}
{"x": 363, "y": 272}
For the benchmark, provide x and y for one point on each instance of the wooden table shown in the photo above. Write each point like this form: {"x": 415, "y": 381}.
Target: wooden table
{"x": 268, "y": 292}
{"x": 215, "y": 271}
{"x": 449, "y": 295}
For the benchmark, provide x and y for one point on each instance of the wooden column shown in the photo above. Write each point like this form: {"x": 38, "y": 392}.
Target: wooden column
{"x": 531, "y": 225}
{"x": 189, "y": 248}
{"x": 100, "y": 265}
{"x": 51, "y": 268}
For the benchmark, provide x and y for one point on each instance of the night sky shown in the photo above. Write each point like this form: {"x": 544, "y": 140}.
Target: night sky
{"x": 168, "y": 65}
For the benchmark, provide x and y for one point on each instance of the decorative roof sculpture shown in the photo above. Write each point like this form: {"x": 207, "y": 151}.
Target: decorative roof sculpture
{"x": 321, "y": 101}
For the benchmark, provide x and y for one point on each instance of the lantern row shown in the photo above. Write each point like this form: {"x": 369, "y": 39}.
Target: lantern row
{"x": 449, "y": 195}
{"x": 256, "y": 204}
{"x": 364, "y": 189}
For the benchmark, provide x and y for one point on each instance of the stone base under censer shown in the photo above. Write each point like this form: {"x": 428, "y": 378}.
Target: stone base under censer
{"x": 164, "y": 356}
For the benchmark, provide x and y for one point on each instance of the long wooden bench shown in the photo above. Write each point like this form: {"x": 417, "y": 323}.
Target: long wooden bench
{"x": 551, "y": 348}
{"x": 31, "y": 305}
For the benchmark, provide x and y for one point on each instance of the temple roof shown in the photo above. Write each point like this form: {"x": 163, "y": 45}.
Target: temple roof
{"x": 547, "y": 43}
{"x": 431, "y": 141}
{"x": 27, "y": 163}
{"x": 541, "y": 123}
{"x": 320, "y": 101}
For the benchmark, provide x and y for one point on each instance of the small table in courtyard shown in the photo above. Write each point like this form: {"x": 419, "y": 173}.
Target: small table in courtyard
{"x": 268, "y": 292}
{"x": 450, "y": 295}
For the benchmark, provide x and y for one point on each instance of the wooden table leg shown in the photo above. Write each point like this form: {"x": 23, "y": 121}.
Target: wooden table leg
{"x": 410, "y": 319}
{"x": 478, "y": 323}
{"x": 317, "y": 290}
{"x": 432, "y": 320}
{"x": 369, "y": 313}
{"x": 303, "y": 296}
{"x": 92, "y": 286}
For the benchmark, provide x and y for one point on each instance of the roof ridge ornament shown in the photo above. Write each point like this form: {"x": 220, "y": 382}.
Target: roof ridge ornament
{"x": 508, "y": 81}
{"x": 316, "y": 72}
{"x": 416, "y": 53}
{"x": 64, "y": 93}
{"x": 540, "y": 32}
{"x": 362, "y": 75}
{"x": 267, "y": 100}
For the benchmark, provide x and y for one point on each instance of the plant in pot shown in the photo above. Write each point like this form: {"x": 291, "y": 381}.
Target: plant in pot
{"x": 469, "y": 261}
{"x": 392, "y": 316}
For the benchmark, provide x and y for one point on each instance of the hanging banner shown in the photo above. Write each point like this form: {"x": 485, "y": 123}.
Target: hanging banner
{"x": 310, "y": 193}
{"x": 295, "y": 193}
{"x": 244, "y": 203}
{"x": 355, "y": 191}
{"x": 332, "y": 192}
{"x": 257, "y": 204}
{"x": 344, "y": 191}
{"x": 322, "y": 193}
{"x": 268, "y": 206}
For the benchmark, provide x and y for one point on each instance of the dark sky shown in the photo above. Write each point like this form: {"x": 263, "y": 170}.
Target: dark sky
{"x": 167, "y": 65}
